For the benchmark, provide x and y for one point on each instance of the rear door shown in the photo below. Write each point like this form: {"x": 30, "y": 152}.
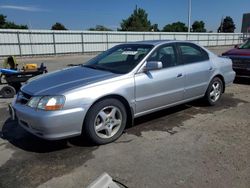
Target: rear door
{"x": 158, "y": 88}
{"x": 197, "y": 67}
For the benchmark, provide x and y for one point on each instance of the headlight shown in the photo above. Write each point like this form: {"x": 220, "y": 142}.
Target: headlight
{"x": 33, "y": 102}
{"x": 48, "y": 103}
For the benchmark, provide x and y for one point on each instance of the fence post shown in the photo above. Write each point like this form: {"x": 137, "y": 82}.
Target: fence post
{"x": 208, "y": 37}
{"x": 126, "y": 37}
{"x": 82, "y": 42}
{"x": 19, "y": 44}
{"x": 225, "y": 39}
{"x": 31, "y": 46}
{"x": 217, "y": 39}
{"x": 54, "y": 42}
{"x": 107, "y": 41}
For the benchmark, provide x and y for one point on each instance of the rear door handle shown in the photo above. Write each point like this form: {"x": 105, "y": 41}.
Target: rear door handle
{"x": 211, "y": 68}
{"x": 179, "y": 75}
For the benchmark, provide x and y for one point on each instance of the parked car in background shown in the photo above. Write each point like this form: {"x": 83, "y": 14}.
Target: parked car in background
{"x": 100, "y": 98}
{"x": 240, "y": 56}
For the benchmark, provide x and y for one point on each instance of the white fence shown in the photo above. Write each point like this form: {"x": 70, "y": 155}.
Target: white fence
{"x": 47, "y": 42}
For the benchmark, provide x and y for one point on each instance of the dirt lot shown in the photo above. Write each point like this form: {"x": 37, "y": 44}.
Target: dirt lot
{"x": 190, "y": 145}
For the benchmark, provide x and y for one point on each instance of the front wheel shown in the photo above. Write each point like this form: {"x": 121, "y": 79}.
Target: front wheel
{"x": 105, "y": 121}
{"x": 214, "y": 91}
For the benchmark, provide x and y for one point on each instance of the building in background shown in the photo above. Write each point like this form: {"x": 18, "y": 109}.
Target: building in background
{"x": 245, "y": 23}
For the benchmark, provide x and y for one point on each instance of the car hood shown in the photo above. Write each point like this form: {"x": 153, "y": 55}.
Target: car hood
{"x": 238, "y": 52}
{"x": 64, "y": 80}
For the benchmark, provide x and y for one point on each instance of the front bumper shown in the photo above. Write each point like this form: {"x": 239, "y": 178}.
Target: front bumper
{"x": 241, "y": 65}
{"x": 50, "y": 125}
{"x": 242, "y": 72}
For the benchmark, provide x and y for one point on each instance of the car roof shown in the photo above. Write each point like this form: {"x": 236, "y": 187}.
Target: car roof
{"x": 150, "y": 42}
{"x": 156, "y": 42}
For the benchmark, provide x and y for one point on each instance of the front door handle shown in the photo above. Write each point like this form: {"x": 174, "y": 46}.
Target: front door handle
{"x": 210, "y": 68}
{"x": 179, "y": 75}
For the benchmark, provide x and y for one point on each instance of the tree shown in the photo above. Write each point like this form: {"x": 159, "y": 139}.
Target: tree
{"x": 137, "y": 21}
{"x": 2, "y": 20}
{"x": 5, "y": 24}
{"x": 227, "y": 25}
{"x": 58, "y": 26}
{"x": 198, "y": 26}
{"x": 99, "y": 28}
{"x": 155, "y": 28}
{"x": 12, "y": 25}
{"x": 175, "y": 27}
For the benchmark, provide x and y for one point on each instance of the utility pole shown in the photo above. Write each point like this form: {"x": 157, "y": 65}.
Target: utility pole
{"x": 220, "y": 30}
{"x": 189, "y": 15}
{"x": 30, "y": 37}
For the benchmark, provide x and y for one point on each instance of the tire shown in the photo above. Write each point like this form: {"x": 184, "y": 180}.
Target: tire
{"x": 8, "y": 92}
{"x": 105, "y": 121}
{"x": 214, "y": 91}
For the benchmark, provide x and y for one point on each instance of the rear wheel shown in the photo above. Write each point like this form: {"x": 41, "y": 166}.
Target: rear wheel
{"x": 214, "y": 91}
{"x": 105, "y": 121}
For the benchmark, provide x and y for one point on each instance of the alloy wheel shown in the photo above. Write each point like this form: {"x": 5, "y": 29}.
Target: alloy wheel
{"x": 215, "y": 91}
{"x": 108, "y": 122}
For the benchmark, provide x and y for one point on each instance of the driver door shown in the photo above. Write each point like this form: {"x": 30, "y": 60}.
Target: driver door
{"x": 158, "y": 88}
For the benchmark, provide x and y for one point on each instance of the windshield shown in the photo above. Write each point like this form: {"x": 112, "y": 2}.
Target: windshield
{"x": 120, "y": 59}
{"x": 245, "y": 45}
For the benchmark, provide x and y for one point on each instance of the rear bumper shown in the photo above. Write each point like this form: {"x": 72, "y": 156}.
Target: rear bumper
{"x": 229, "y": 77}
{"x": 50, "y": 125}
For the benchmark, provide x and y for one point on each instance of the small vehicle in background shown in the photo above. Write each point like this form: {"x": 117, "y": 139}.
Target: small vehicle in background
{"x": 12, "y": 78}
{"x": 240, "y": 56}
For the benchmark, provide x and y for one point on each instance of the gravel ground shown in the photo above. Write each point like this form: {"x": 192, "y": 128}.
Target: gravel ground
{"x": 190, "y": 145}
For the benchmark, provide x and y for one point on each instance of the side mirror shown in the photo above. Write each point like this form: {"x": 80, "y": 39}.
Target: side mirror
{"x": 153, "y": 65}
{"x": 236, "y": 46}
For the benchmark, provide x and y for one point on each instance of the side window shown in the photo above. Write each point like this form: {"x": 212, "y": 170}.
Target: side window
{"x": 166, "y": 55}
{"x": 191, "y": 53}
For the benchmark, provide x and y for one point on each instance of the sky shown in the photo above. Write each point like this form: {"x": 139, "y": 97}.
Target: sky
{"x": 83, "y": 14}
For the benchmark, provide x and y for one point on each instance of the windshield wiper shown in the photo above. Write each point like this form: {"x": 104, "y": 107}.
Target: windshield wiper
{"x": 101, "y": 68}
{"x": 104, "y": 68}
{"x": 90, "y": 66}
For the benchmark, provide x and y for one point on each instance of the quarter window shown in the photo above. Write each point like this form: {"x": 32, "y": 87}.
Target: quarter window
{"x": 192, "y": 53}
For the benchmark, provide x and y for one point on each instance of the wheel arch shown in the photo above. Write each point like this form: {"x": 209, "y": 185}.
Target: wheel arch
{"x": 222, "y": 79}
{"x": 123, "y": 100}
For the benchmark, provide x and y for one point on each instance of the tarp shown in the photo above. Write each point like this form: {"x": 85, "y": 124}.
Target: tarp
{"x": 8, "y": 71}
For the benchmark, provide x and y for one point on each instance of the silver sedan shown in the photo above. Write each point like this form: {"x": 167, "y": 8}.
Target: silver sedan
{"x": 100, "y": 98}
